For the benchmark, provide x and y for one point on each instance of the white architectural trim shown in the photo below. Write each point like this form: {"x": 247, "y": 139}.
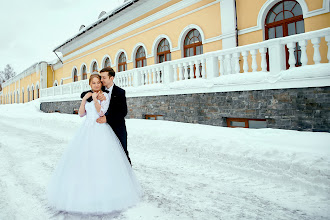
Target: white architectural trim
{"x": 91, "y": 65}
{"x": 22, "y": 89}
{"x": 61, "y": 83}
{"x": 117, "y": 57}
{"x": 184, "y": 33}
{"x": 32, "y": 87}
{"x": 155, "y": 45}
{"x": 55, "y": 82}
{"x": 135, "y": 48}
{"x": 103, "y": 60}
{"x": 137, "y": 25}
{"x": 37, "y": 85}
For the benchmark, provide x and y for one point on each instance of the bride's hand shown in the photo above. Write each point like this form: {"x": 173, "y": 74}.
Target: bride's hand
{"x": 89, "y": 94}
{"x": 95, "y": 94}
{"x": 101, "y": 97}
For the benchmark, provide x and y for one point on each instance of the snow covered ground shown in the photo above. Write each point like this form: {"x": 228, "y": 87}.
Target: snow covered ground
{"x": 187, "y": 171}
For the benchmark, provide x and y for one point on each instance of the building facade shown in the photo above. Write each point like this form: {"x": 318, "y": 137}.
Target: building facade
{"x": 158, "y": 48}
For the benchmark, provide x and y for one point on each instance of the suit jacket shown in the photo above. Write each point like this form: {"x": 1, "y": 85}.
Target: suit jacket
{"x": 116, "y": 113}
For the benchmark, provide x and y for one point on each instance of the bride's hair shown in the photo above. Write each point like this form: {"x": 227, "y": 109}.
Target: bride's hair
{"x": 94, "y": 75}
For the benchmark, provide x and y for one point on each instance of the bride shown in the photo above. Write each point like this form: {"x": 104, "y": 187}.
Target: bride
{"x": 93, "y": 176}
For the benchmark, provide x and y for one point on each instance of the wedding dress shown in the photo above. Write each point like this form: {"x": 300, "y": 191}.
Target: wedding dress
{"x": 93, "y": 175}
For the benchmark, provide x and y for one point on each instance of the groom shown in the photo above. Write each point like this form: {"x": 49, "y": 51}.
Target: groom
{"x": 117, "y": 110}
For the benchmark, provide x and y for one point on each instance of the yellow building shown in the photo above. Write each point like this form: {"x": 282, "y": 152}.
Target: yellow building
{"x": 146, "y": 32}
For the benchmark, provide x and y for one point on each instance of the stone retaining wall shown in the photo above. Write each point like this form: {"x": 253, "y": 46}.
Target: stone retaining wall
{"x": 296, "y": 109}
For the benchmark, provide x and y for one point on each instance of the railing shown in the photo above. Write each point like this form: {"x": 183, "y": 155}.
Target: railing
{"x": 267, "y": 56}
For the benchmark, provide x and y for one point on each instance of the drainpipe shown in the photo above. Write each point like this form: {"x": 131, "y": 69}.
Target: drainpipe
{"x": 236, "y": 29}
{"x": 57, "y": 56}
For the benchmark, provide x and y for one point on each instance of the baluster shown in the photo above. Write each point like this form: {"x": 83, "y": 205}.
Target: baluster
{"x": 228, "y": 62}
{"x": 245, "y": 61}
{"x": 181, "y": 71}
{"x": 142, "y": 77}
{"x": 222, "y": 67}
{"x": 254, "y": 60}
{"x": 203, "y": 69}
{"x": 185, "y": 71}
{"x": 161, "y": 74}
{"x": 153, "y": 75}
{"x": 198, "y": 72}
{"x": 236, "y": 62}
{"x": 327, "y": 39}
{"x": 263, "y": 59}
{"x": 149, "y": 76}
{"x": 175, "y": 72}
{"x": 303, "y": 58}
{"x": 316, "y": 45}
{"x": 192, "y": 70}
{"x": 157, "y": 75}
{"x": 292, "y": 59}
{"x": 131, "y": 79}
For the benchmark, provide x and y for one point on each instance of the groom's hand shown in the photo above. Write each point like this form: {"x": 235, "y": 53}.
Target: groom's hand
{"x": 101, "y": 120}
{"x": 101, "y": 97}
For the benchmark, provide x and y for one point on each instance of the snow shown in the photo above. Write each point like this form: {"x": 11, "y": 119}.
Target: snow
{"x": 188, "y": 171}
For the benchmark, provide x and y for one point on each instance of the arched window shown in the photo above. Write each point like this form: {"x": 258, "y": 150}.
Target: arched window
{"x": 38, "y": 92}
{"x": 17, "y": 96}
{"x": 163, "y": 51}
{"x": 122, "y": 65}
{"x": 84, "y": 73}
{"x": 75, "y": 76}
{"x": 28, "y": 92}
{"x": 94, "y": 67}
{"x": 193, "y": 43}
{"x": 61, "y": 83}
{"x": 107, "y": 62}
{"x": 22, "y": 95}
{"x": 32, "y": 90}
{"x": 14, "y": 97}
{"x": 285, "y": 19}
{"x": 140, "y": 58}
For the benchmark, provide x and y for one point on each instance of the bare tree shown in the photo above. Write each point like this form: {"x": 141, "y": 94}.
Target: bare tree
{"x": 8, "y": 72}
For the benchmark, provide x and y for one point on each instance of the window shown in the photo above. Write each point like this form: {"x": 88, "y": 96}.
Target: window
{"x": 32, "y": 94}
{"x": 193, "y": 44}
{"x": 107, "y": 62}
{"x": 140, "y": 60}
{"x": 84, "y": 73}
{"x": 22, "y": 96}
{"x": 122, "y": 65}
{"x": 246, "y": 123}
{"x": 154, "y": 117}
{"x": 163, "y": 51}
{"x": 38, "y": 92}
{"x": 94, "y": 68}
{"x": 75, "y": 76}
{"x": 285, "y": 19}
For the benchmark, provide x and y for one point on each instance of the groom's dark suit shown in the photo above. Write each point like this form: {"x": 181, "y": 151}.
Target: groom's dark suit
{"x": 116, "y": 115}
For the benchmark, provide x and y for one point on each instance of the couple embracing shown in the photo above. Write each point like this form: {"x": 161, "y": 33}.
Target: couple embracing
{"x": 94, "y": 175}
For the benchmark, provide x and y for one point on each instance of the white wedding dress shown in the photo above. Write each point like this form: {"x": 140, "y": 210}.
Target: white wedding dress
{"x": 93, "y": 176}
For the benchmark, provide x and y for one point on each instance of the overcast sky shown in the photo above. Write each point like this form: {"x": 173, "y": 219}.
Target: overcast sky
{"x": 30, "y": 30}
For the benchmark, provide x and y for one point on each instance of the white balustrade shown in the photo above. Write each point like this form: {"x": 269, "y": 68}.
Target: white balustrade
{"x": 240, "y": 60}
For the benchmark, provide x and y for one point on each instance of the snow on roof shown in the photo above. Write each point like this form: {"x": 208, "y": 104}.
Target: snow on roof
{"x": 103, "y": 18}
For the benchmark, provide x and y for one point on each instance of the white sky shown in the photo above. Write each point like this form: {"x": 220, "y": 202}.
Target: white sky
{"x": 30, "y": 30}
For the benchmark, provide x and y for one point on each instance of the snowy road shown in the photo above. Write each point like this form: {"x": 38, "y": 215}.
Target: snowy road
{"x": 187, "y": 171}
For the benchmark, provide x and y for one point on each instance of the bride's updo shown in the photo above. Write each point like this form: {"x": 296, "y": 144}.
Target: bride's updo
{"x": 94, "y": 75}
